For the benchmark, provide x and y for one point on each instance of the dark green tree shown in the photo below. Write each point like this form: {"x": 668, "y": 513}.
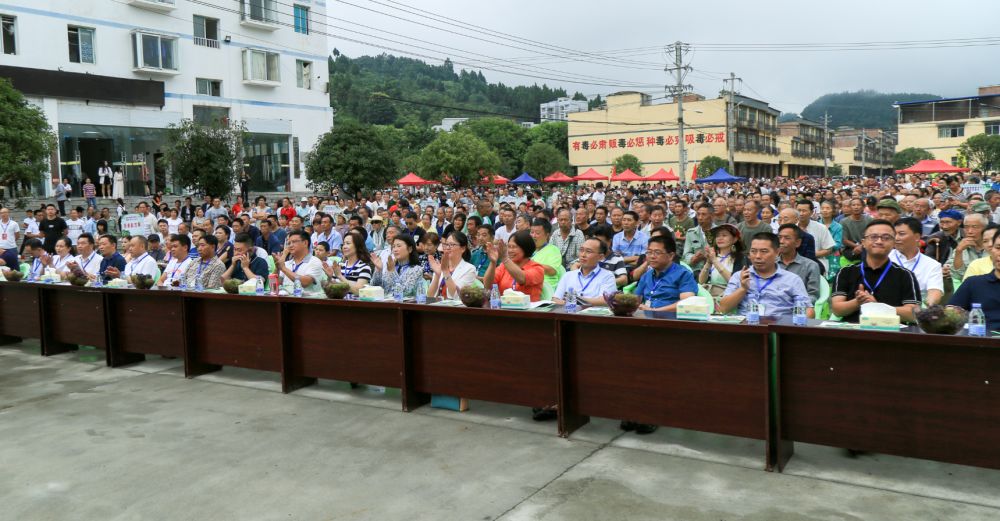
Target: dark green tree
{"x": 578, "y": 96}
{"x": 981, "y": 152}
{"x": 509, "y": 139}
{"x": 626, "y": 162}
{"x": 26, "y": 140}
{"x": 353, "y": 156}
{"x": 907, "y": 157}
{"x": 205, "y": 159}
{"x": 553, "y": 133}
{"x": 459, "y": 156}
{"x": 709, "y": 164}
{"x": 834, "y": 171}
{"x": 543, "y": 159}
{"x": 595, "y": 103}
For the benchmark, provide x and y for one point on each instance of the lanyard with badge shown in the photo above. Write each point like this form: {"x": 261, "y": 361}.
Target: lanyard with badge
{"x": 878, "y": 283}
{"x": 6, "y": 229}
{"x": 652, "y": 291}
{"x": 593, "y": 276}
{"x": 760, "y": 289}
{"x": 902, "y": 262}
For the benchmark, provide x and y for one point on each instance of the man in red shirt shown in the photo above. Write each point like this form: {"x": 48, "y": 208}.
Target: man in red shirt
{"x": 287, "y": 210}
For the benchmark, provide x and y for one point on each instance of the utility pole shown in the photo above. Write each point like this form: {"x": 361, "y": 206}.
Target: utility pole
{"x": 881, "y": 154}
{"x": 826, "y": 141}
{"x": 677, "y": 90}
{"x": 864, "y": 146}
{"x": 730, "y": 118}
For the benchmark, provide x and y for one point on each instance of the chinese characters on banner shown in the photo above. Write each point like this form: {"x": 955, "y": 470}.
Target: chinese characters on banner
{"x": 648, "y": 141}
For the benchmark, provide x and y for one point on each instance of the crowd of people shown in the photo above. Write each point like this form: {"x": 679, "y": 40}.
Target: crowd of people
{"x": 906, "y": 241}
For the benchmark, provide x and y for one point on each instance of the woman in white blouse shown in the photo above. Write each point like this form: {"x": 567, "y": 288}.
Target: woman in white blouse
{"x": 63, "y": 256}
{"x": 454, "y": 271}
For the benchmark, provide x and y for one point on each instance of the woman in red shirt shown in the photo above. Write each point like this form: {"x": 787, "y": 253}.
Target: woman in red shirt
{"x": 287, "y": 209}
{"x": 516, "y": 270}
{"x": 237, "y": 208}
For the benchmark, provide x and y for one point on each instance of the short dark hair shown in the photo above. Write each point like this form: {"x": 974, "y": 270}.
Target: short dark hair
{"x": 879, "y": 222}
{"x": 790, "y": 226}
{"x": 89, "y": 237}
{"x": 633, "y": 214}
{"x": 33, "y": 244}
{"x": 244, "y": 238}
{"x": 184, "y": 239}
{"x": 912, "y": 223}
{"x": 546, "y": 225}
{"x": 301, "y": 235}
{"x": 474, "y": 219}
{"x": 108, "y": 236}
{"x": 767, "y": 236}
{"x": 211, "y": 240}
{"x": 524, "y": 241}
{"x": 603, "y": 248}
{"x": 667, "y": 241}
{"x": 661, "y": 230}
{"x": 603, "y": 230}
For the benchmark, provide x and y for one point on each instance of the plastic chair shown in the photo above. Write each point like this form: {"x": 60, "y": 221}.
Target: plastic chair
{"x": 270, "y": 264}
{"x": 821, "y": 306}
{"x": 630, "y": 289}
{"x": 547, "y": 291}
{"x": 25, "y": 269}
{"x": 682, "y": 263}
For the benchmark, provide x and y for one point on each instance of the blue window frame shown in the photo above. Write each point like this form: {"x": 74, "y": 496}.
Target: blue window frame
{"x": 301, "y": 19}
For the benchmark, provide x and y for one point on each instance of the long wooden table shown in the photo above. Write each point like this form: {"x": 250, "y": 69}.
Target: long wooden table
{"x": 911, "y": 394}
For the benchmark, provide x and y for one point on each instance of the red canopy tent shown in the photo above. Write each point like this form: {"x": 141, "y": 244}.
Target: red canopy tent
{"x": 694, "y": 173}
{"x": 497, "y": 180}
{"x": 663, "y": 175}
{"x": 412, "y": 179}
{"x": 627, "y": 176}
{"x": 931, "y": 166}
{"x": 590, "y": 175}
{"x": 558, "y": 177}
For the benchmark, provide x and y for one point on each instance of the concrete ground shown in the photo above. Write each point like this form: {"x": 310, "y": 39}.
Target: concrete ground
{"x": 84, "y": 442}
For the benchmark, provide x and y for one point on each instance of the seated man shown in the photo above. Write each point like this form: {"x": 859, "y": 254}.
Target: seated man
{"x": 246, "y": 264}
{"x": 179, "y": 261}
{"x": 141, "y": 262}
{"x": 983, "y": 290}
{"x": 39, "y": 258}
{"x": 808, "y": 247}
{"x": 590, "y": 282}
{"x": 875, "y": 279}
{"x": 112, "y": 262}
{"x": 907, "y": 255}
{"x": 984, "y": 265}
{"x": 296, "y": 263}
{"x": 612, "y": 261}
{"x": 970, "y": 248}
{"x": 789, "y": 259}
{"x": 666, "y": 282}
{"x": 775, "y": 290}
{"x": 207, "y": 268}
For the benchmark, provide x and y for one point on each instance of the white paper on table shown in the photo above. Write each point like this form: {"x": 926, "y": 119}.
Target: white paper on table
{"x": 540, "y": 303}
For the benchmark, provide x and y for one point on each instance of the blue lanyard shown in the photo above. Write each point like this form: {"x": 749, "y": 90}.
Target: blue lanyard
{"x": 35, "y": 265}
{"x": 757, "y": 279}
{"x": 902, "y": 262}
{"x": 399, "y": 268}
{"x": 652, "y": 291}
{"x": 137, "y": 261}
{"x": 201, "y": 266}
{"x": 878, "y": 283}
{"x": 712, "y": 268}
{"x": 85, "y": 264}
{"x": 349, "y": 271}
{"x": 592, "y": 277}
{"x": 299, "y": 265}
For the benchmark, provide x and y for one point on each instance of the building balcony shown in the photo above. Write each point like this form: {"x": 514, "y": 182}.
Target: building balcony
{"x": 262, "y": 83}
{"x": 259, "y": 23}
{"x": 164, "y": 6}
{"x": 206, "y": 42}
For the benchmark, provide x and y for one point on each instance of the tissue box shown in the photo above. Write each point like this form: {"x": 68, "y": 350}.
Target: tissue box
{"x": 514, "y": 300}
{"x": 371, "y": 293}
{"x": 117, "y": 283}
{"x": 248, "y": 287}
{"x": 880, "y": 322}
{"x": 694, "y": 308}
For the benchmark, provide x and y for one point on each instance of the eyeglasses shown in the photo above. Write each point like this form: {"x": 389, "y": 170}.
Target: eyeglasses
{"x": 655, "y": 253}
{"x": 880, "y": 238}
{"x": 448, "y": 245}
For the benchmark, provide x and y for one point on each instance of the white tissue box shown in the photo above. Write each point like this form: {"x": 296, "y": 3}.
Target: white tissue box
{"x": 514, "y": 300}
{"x": 117, "y": 283}
{"x": 880, "y": 322}
{"x": 371, "y": 293}
{"x": 694, "y": 308}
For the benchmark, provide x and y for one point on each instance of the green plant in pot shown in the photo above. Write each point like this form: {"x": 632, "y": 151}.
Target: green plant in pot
{"x": 336, "y": 290}
{"x": 232, "y": 286}
{"x": 472, "y": 296}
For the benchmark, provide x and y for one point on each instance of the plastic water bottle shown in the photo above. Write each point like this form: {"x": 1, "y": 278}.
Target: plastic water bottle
{"x": 753, "y": 310}
{"x": 977, "y": 321}
{"x": 799, "y": 312}
{"x": 184, "y": 285}
{"x": 422, "y": 291}
{"x": 397, "y": 292}
{"x": 259, "y": 290}
{"x": 297, "y": 287}
{"x": 198, "y": 286}
{"x": 99, "y": 281}
{"x": 495, "y": 297}
{"x": 571, "y": 301}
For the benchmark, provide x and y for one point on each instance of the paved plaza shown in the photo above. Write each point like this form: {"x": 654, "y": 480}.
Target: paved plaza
{"x": 81, "y": 441}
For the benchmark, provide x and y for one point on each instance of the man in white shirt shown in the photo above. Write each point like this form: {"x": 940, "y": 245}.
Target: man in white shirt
{"x": 74, "y": 225}
{"x": 148, "y": 220}
{"x": 504, "y": 232}
{"x": 907, "y": 255}
{"x": 10, "y": 233}
{"x": 296, "y": 263}
{"x": 824, "y": 241}
{"x": 141, "y": 263}
{"x": 590, "y": 282}
{"x": 598, "y": 195}
{"x": 87, "y": 260}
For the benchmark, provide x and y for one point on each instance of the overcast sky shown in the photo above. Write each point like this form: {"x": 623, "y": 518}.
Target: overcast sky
{"x": 788, "y": 80}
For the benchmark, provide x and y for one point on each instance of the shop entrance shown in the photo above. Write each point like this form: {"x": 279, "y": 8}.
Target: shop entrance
{"x": 93, "y": 152}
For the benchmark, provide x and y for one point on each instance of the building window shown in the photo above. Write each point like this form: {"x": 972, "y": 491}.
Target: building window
{"x": 303, "y": 74}
{"x": 154, "y": 51}
{"x": 260, "y": 10}
{"x": 261, "y": 66}
{"x": 301, "y": 19}
{"x": 8, "y": 45}
{"x": 993, "y": 128}
{"x": 208, "y": 87}
{"x": 81, "y": 45}
{"x": 206, "y": 32}
{"x": 209, "y": 116}
{"x": 951, "y": 131}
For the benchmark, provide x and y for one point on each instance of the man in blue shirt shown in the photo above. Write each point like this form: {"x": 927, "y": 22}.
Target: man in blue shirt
{"x": 631, "y": 242}
{"x": 776, "y": 290}
{"x": 666, "y": 282}
{"x": 107, "y": 246}
{"x": 983, "y": 290}
{"x": 268, "y": 239}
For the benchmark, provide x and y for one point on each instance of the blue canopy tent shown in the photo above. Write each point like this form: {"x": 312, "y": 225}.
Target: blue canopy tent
{"x": 721, "y": 176}
{"x": 524, "y": 179}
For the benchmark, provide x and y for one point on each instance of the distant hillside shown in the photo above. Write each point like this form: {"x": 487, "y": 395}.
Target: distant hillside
{"x": 355, "y": 85}
{"x": 861, "y": 109}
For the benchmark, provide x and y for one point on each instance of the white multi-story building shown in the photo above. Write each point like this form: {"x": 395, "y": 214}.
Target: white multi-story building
{"x": 559, "y": 109}
{"x": 111, "y": 75}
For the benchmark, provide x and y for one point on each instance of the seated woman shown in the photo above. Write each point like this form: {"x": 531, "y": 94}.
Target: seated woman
{"x": 724, "y": 258}
{"x": 401, "y": 268}
{"x": 590, "y": 282}
{"x": 356, "y": 267}
{"x": 63, "y": 256}
{"x": 428, "y": 248}
{"x": 457, "y": 224}
{"x": 453, "y": 272}
{"x": 511, "y": 267}
{"x": 225, "y": 250}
